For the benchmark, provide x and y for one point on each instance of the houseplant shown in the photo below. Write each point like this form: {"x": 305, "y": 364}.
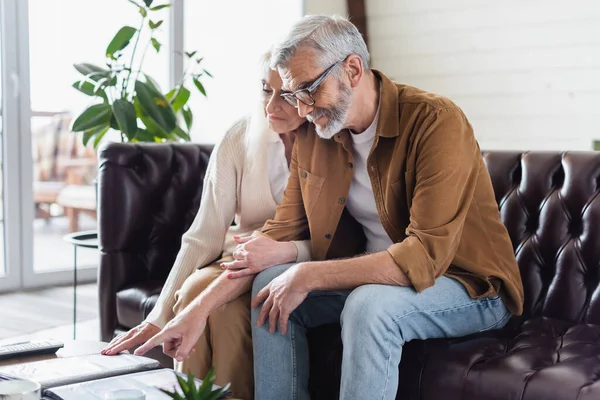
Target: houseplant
{"x": 129, "y": 100}
{"x": 204, "y": 392}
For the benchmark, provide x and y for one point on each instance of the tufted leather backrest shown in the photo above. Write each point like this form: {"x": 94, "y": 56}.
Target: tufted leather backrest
{"x": 549, "y": 203}
{"x": 149, "y": 195}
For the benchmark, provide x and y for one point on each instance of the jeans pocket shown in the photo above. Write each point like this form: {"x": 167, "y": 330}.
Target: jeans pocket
{"x": 499, "y": 322}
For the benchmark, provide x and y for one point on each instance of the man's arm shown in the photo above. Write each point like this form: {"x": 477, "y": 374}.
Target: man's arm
{"x": 376, "y": 268}
{"x": 446, "y": 175}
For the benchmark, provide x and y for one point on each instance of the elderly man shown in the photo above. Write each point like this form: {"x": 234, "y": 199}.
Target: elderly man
{"x": 391, "y": 188}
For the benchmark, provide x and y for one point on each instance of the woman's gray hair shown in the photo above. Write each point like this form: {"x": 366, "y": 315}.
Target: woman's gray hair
{"x": 333, "y": 37}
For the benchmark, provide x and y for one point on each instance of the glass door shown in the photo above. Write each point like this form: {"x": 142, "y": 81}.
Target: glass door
{"x": 10, "y": 249}
{"x": 60, "y": 170}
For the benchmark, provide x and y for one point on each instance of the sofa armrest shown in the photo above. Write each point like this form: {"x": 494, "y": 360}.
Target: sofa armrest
{"x": 148, "y": 196}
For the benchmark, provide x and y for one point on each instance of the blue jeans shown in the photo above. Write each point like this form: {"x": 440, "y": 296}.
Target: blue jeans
{"x": 376, "y": 322}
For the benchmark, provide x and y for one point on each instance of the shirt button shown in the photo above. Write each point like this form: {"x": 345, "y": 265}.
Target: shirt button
{"x": 341, "y": 200}
{"x": 327, "y": 236}
{"x": 303, "y": 175}
{"x": 350, "y": 165}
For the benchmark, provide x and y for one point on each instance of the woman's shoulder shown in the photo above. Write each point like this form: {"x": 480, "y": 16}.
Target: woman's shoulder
{"x": 236, "y": 132}
{"x": 233, "y": 140}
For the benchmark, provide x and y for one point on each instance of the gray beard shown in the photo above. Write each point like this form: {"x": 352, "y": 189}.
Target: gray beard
{"x": 336, "y": 116}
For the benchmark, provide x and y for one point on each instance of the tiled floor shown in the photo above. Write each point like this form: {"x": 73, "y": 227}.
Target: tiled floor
{"x": 49, "y": 313}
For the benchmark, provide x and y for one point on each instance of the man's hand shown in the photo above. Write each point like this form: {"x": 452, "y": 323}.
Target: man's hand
{"x": 258, "y": 252}
{"x": 178, "y": 337}
{"x": 282, "y": 296}
{"x": 134, "y": 337}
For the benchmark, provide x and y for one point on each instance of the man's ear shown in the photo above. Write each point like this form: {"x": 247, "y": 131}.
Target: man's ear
{"x": 354, "y": 69}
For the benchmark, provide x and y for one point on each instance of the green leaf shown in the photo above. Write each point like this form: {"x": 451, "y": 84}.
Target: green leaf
{"x": 99, "y": 137}
{"x": 156, "y": 106}
{"x": 153, "y": 128}
{"x": 112, "y": 81}
{"x": 91, "y": 71}
{"x": 190, "y": 55}
{"x": 89, "y": 89}
{"x": 125, "y": 115}
{"x": 207, "y": 73}
{"x": 154, "y": 25}
{"x": 113, "y": 122}
{"x": 217, "y": 393}
{"x": 148, "y": 3}
{"x": 150, "y": 81}
{"x": 120, "y": 41}
{"x": 182, "y": 134}
{"x": 96, "y": 115}
{"x": 160, "y": 7}
{"x": 134, "y": 3}
{"x": 207, "y": 382}
{"x": 192, "y": 385}
{"x": 144, "y": 136}
{"x": 188, "y": 116}
{"x": 182, "y": 95}
{"x": 182, "y": 383}
{"x": 143, "y": 12}
{"x": 90, "y": 133}
{"x": 156, "y": 44}
{"x": 200, "y": 86}
{"x": 173, "y": 395}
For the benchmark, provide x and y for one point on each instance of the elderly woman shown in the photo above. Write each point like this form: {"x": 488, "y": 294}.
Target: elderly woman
{"x": 245, "y": 180}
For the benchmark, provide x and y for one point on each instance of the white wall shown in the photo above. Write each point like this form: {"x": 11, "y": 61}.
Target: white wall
{"x": 231, "y": 35}
{"x": 526, "y": 72}
{"x": 327, "y": 7}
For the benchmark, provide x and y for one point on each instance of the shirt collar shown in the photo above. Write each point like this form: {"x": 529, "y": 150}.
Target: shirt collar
{"x": 389, "y": 115}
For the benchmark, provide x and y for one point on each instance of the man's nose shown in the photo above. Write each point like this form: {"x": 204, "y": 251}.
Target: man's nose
{"x": 303, "y": 109}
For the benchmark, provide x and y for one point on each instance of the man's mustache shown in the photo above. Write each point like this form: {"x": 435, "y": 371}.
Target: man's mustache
{"x": 317, "y": 113}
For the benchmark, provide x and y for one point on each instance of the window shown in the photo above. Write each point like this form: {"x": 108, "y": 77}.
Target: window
{"x": 231, "y": 44}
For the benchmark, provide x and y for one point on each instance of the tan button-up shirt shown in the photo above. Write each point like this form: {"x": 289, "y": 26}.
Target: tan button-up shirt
{"x": 433, "y": 194}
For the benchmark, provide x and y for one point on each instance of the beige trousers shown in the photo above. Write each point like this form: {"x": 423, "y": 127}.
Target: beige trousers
{"x": 226, "y": 342}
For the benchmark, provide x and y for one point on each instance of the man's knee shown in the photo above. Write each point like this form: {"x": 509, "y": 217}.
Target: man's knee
{"x": 365, "y": 310}
{"x": 193, "y": 286}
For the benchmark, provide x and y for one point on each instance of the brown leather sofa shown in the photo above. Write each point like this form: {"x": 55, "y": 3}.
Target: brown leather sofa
{"x": 550, "y": 203}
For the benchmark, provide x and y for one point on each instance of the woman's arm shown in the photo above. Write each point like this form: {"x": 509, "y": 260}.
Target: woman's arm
{"x": 203, "y": 242}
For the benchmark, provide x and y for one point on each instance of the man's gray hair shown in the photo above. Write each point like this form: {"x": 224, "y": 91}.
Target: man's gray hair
{"x": 333, "y": 37}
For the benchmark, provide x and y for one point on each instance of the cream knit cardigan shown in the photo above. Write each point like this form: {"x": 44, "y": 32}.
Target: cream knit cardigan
{"x": 229, "y": 191}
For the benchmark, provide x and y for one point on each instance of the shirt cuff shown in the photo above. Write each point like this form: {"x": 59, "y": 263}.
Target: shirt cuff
{"x": 410, "y": 258}
{"x": 304, "y": 250}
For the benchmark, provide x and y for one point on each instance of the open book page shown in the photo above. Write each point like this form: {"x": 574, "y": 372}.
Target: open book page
{"x": 64, "y": 371}
{"x": 149, "y": 382}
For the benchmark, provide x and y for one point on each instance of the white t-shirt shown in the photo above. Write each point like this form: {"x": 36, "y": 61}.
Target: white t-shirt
{"x": 278, "y": 169}
{"x": 361, "y": 200}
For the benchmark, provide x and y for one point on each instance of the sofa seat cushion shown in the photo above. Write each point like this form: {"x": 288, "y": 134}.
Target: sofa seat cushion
{"x": 134, "y": 303}
{"x": 543, "y": 359}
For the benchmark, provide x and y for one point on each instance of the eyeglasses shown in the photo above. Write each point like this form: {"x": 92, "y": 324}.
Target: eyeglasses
{"x": 305, "y": 95}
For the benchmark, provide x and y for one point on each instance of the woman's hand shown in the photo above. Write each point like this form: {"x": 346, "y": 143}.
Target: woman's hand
{"x": 258, "y": 252}
{"x": 136, "y": 336}
{"x": 179, "y": 336}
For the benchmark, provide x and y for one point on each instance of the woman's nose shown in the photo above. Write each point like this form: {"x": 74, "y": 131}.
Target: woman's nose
{"x": 273, "y": 104}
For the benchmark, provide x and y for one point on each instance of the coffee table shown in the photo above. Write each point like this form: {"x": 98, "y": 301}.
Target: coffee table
{"x": 73, "y": 348}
